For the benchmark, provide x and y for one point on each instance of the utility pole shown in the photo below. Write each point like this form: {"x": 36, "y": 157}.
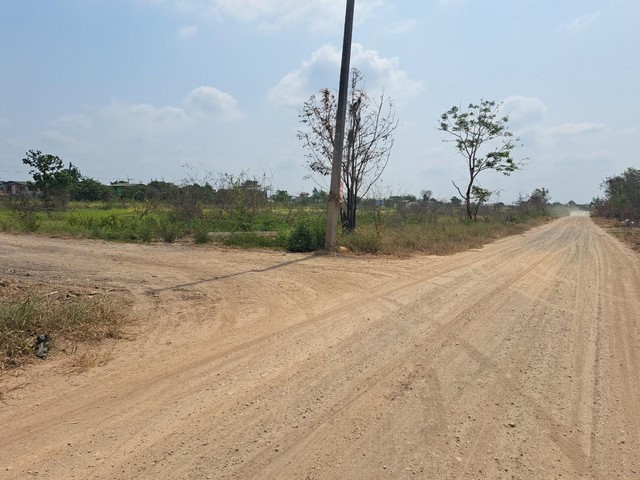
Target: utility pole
{"x": 338, "y": 145}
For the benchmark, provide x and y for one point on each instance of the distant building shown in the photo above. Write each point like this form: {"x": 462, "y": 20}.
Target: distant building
{"x": 11, "y": 187}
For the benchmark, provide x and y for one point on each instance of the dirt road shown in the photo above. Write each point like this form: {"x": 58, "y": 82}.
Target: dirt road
{"x": 519, "y": 360}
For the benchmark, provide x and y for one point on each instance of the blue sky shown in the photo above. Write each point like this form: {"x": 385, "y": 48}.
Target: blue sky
{"x": 140, "y": 88}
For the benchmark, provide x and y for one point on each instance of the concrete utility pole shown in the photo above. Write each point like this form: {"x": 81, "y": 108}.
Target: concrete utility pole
{"x": 338, "y": 144}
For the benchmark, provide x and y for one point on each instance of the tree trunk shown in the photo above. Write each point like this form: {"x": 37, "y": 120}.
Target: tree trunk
{"x": 348, "y": 213}
{"x": 467, "y": 200}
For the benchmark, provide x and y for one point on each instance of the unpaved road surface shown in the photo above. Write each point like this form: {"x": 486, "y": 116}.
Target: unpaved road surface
{"x": 519, "y": 360}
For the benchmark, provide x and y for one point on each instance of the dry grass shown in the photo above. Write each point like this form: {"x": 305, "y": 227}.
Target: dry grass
{"x": 444, "y": 237}
{"x": 629, "y": 235}
{"x": 82, "y": 361}
{"x": 24, "y": 315}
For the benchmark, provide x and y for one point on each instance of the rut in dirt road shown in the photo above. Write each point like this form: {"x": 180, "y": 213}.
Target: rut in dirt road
{"x": 519, "y": 360}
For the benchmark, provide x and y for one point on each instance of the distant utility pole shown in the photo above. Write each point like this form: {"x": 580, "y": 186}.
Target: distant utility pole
{"x": 338, "y": 144}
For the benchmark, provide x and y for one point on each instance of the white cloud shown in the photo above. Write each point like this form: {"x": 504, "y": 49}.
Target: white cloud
{"x": 276, "y": 14}
{"x": 4, "y": 122}
{"x": 188, "y": 32}
{"x": 76, "y": 120}
{"x": 524, "y": 110}
{"x": 552, "y": 140}
{"x": 211, "y": 101}
{"x": 122, "y": 122}
{"x": 580, "y": 23}
{"x": 273, "y": 15}
{"x": 322, "y": 69}
{"x": 58, "y": 138}
{"x": 142, "y": 120}
{"x": 400, "y": 27}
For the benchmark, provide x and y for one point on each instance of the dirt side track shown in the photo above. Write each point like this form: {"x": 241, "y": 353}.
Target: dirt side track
{"x": 520, "y": 360}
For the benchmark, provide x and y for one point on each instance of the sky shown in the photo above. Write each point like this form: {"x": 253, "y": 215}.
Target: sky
{"x": 191, "y": 89}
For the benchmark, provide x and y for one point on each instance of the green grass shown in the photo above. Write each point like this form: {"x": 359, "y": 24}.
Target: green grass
{"x": 386, "y": 231}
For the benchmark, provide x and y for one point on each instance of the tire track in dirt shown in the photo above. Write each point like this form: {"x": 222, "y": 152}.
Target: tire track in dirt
{"x": 441, "y": 336}
{"x": 616, "y": 437}
{"x": 144, "y": 390}
{"x": 243, "y": 347}
{"x": 414, "y": 370}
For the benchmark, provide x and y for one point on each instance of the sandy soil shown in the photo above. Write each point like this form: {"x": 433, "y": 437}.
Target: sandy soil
{"x": 519, "y": 360}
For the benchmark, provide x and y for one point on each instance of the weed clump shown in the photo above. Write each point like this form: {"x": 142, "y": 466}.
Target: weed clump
{"x": 24, "y": 316}
{"x": 307, "y": 235}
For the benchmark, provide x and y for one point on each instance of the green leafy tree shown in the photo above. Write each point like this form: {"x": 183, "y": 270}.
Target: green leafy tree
{"x": 281, "y": 196}
{"x": 90, "y": 190}
{"x": 481, "y": 136}
{"x": 479, "y": 196}
{"x": 161, "y": 190}
{"x": 539, "y": 198}
{"x": 50, "y": 178}
{"x": 622, "y": 195}
{"x": 319, "y": 195}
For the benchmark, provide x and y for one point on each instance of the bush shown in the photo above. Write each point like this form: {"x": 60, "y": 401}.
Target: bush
{"x": 168, "y": 230}
{"x": 307, "y": 235}
{"x": 201, "y": 235}
{"x": 24, "y": 209}
{"x": 146, "y": 228}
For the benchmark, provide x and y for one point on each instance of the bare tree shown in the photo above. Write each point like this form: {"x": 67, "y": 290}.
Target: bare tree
{"x": 483, "y": 139}
{"x": 369, "y": 138}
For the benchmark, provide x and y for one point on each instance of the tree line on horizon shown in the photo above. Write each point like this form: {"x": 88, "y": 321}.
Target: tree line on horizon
{"x": 480, "y": 134}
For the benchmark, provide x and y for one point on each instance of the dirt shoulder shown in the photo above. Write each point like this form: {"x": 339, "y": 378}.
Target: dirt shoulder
{"x": 517, "y": 360}
{"x": 630, "y": 235}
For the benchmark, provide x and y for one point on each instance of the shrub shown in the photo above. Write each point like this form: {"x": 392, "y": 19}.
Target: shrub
{"x": 307, "y": 235}
{"x": 201, "y": 234}
{"x": 146, "y": 228}
{"x": 168, "y": 230}
{"x": 24, "y": 209}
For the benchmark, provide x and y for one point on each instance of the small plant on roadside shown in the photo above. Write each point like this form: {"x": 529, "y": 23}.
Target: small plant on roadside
{"x": 201, "y": 235}
{"x": 168, "y": 229}
{"x": 146, "y": 228}
{"x": 307, "y": 235}
{"x": 24, "y": 210}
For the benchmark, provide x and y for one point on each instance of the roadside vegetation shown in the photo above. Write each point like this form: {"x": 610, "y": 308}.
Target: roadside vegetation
{"x": 31, "y": 323}
{"x": 247, "y": 217}
{"x": 243, "y": 211}
{"x": 621, "y": 200}
{"x": 618, "y": 211}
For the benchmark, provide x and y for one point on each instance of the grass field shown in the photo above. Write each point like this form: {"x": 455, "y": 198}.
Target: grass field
{"x": 297, "y": 228}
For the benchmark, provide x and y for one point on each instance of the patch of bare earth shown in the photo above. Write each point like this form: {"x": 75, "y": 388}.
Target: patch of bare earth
{"x": 519, "y": 360}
